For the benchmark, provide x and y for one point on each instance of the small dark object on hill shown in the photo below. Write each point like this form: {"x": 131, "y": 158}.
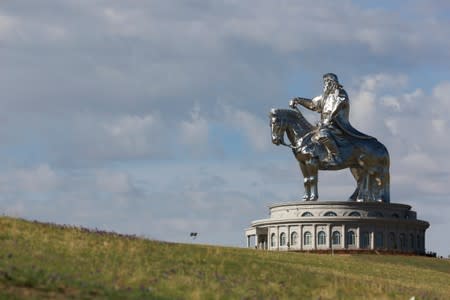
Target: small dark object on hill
{"x": 430, "y": 254}
{"x": 194, "y": 234}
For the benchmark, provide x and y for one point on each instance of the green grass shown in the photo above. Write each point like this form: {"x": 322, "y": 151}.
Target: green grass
{"x": 42, "y": 261}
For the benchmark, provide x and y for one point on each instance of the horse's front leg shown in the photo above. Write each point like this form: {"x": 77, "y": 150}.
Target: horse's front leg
{"x": 314, "y": 187}
{"x": 306, "y": 181}
{"x": 313, "y": 170}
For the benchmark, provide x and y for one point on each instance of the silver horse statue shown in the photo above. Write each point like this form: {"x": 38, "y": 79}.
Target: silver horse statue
{"x": 368, "y": 159}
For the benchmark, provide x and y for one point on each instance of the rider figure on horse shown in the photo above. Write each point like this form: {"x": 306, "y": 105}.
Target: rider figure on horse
{"x": 334, "y": 126}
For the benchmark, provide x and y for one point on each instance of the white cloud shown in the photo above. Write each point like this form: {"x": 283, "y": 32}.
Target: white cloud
{"x": 405, "y": 103}
{"x": 134, "y": 127}
{"x": 383, "y": 81}
{"x": 7, "y": 26}
{"x": 56, "y": 33}
{"x": 441, "y": 93}
{"x": 419, "y": 162}
{"x": 194, "y": 132}
{"x": 114, "y": 16}
{"x": 391, "y": 102}
{"x": 440, "y": 126}
{"x": 254, "y": 128}
{"x": 363, "y": 108}
{"x": 133, "y": 135}
{"x": 16, "y": 209}
{"x": 41, "y": 178}
{"x": 392, "y": 126}
{"x": 365, "y": 99}
{"x": 113, "y": 182}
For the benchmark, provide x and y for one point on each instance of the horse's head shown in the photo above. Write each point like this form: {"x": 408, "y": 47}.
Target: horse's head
{"x": 288, "y": 121}
{"x": 277, "y": 126}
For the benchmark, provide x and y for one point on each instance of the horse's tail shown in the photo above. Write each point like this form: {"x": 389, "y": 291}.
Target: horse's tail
{"x": 386, "y": 189}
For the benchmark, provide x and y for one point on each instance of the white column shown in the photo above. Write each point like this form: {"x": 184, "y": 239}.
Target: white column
{"x": 269, "y": 240}
{"x": 256, "y": 240}
{"x": 288, "y": 238}
{"x": 330, "y": 242}
{"x": 278, "y": 238}
{"x": 343, "y": 237}
{"x": 301, "y": 237}
{"x": 314, "y": 234}
{"x": 357, "y": 238}
{"x": 372, "y": 239}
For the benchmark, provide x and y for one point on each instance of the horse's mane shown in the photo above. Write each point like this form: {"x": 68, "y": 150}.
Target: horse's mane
{"x": 292, "y": 116}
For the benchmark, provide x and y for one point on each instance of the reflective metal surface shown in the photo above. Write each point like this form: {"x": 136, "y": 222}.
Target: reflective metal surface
{"x": 333, "y": 144}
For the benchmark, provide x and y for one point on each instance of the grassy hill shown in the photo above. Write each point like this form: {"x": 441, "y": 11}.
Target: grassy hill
{"x": 40, "y": 261}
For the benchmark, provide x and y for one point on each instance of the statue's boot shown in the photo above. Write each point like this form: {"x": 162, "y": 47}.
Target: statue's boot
{"x": 333, "y": 157}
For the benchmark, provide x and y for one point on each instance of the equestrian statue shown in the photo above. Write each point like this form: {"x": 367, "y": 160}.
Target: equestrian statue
{"x": 333, "y": 144}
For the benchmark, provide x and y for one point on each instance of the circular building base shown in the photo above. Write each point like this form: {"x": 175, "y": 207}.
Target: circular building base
{"x": 340, "y": 226}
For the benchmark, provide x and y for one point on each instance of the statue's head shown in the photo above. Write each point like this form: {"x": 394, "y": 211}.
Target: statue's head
{"x": 330, "y": 77}
{"x": 330, "y": 82}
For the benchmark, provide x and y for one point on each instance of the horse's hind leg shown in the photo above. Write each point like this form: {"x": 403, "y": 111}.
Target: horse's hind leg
{"x": 386, "y": 186}
{"x": 356, "y": 174}
{"x": 363, "y": 181}
{"x": 382, "y": 185}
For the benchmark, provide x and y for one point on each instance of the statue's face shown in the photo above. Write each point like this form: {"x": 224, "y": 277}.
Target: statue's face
{"x": 327, "y": 85}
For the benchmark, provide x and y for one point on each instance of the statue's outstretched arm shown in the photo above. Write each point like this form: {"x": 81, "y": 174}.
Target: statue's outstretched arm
{"x": 312, "y": 104}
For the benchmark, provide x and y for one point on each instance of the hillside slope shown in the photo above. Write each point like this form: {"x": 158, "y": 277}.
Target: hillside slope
{"x": 43, "y": 261}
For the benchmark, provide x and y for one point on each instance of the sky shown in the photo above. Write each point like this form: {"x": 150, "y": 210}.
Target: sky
{"x": 151, "y": 117}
